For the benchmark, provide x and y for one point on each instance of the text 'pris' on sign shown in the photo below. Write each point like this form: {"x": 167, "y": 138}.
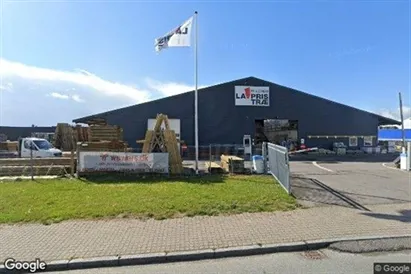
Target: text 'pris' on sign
{"x": 252, "y": 96}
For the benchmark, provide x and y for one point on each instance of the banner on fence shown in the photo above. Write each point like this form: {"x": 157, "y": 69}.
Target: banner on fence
{"x": 123, "y": 162}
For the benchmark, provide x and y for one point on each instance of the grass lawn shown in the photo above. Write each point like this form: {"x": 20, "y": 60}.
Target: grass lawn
{"x": 61, "y": 199}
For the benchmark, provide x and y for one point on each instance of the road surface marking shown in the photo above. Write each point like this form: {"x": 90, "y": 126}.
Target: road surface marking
{"x": 394, "y": 168}
{"x": 324, "y": 168}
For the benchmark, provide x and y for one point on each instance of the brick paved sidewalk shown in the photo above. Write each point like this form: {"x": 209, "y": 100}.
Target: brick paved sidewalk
{"x": 85, "y": 239}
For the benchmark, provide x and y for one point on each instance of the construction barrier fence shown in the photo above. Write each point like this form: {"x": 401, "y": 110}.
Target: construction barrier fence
{"x": 278, "y": 165}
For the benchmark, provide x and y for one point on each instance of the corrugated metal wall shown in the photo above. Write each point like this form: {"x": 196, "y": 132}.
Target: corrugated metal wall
{"x": 13, "y": 133}
{"x": 221, "y": 122}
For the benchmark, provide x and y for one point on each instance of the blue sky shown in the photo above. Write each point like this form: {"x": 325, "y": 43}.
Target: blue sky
{"x": 353, "y": 52}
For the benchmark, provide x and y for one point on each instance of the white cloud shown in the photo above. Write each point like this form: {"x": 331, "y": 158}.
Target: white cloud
{"x": 78, "y": 77}
{"x": 77, "y": 98}
{"x": 74, "y": 97}
{"x": 31, "y": 84}
{"x": 6, "y": 86}
{"x": 395, "y": 114}
{"x": 59, "y": 96}
{"x": 169, "y": 88}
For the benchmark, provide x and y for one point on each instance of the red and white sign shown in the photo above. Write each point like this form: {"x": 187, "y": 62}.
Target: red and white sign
{"x": 252, "y": 96}
{"x": 90, "y": 161}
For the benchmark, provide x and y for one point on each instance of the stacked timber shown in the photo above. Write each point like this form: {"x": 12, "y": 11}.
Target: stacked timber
{"x": 100, "y": 136}
{"x": 214, "y": 168}
{"x": 82, "y": 134}
{"x": 67, "y": 154}
{"x": 64, "y": 137}
{"x": 8, "y": 146}
{"x": 113, "y": 146}
{"x": 105, "y": 133}
{"x": 232, "y": 164}
{"x": 163, "y": 141}
{"x": 97, "y": 122}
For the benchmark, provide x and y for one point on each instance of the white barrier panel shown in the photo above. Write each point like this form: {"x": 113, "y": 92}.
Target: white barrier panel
{"x": 90, "y": 161}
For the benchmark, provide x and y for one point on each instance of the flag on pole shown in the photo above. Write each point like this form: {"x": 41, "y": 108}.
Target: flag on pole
{"x": 179, "y": 37}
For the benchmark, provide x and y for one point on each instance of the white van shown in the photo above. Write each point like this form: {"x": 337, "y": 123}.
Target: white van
{"x": 41, "y": 148}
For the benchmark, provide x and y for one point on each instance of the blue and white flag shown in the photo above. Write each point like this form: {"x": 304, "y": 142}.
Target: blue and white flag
{"x": 179, "y": 37}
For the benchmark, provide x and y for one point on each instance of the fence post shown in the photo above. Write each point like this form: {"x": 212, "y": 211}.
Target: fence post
{"x": 230, "y": 163}
{"x": 264, "y": 154}
{"x": 209, "y": 167}
{"x": 78, "y": 159}
{"x": 31, "y": 161}
{"x": 72, "y": 162}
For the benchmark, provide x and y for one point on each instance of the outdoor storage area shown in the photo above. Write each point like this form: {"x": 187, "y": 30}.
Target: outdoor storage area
{"x": 98, "y": 147}
{"x": 234, "y": 119}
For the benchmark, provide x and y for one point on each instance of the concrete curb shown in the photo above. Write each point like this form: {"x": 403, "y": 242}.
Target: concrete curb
{"x": 180, "y": 256}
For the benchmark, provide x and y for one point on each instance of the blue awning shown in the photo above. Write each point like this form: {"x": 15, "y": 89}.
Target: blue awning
{"x": 393, "y": 135}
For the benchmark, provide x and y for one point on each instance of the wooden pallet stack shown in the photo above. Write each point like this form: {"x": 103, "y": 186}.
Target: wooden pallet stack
{"x": 163, "y": 141}
{"x": 105, "y": 133}
{"x": 97, "y": 122}
{"x": 64, "y": 137}
{"x": 100, "y": 136}
{"x": 232, "y": 164}
{"x": 113, "y": 146}
{"x": 214, "y": 168}
{"x": 8, "y": 146}
{"x": 82, "y": 134}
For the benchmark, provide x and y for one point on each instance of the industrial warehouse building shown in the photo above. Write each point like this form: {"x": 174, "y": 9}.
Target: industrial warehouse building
{"x": 255, "y": 107}
{"x": 14, "y": 133}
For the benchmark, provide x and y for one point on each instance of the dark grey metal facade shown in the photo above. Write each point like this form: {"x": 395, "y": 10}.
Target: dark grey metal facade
{"x": 13, "y": 133}
{"x": 221, "y": 122}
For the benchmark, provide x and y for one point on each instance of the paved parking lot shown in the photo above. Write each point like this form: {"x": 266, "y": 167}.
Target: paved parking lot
{"x": 351, "y": 184}
{"x": 347, "y": 182}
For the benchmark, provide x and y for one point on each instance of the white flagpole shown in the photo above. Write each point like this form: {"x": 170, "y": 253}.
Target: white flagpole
{"x": 196, "y": 89}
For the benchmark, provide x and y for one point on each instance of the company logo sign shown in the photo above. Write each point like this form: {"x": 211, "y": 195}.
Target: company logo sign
{"x": 252, "y": 96}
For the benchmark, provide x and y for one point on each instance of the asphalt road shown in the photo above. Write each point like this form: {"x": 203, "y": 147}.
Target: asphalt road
{"x": 378, "y": 245}
{"x": 325, "y": 261}
{"x": 365, "y": 183}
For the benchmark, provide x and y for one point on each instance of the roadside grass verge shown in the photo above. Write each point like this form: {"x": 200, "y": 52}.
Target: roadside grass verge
{"x": 56, "y": 200}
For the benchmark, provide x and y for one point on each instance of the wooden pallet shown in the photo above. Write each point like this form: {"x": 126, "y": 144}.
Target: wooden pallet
{"x": 64, "y": 137}
{"x": 232, "y": 164}
{"x": 97, "y": 121}
{"x": 214, "y": 168}
{"x": 105, "y": 133}
{"x": 82, "y": 133}
{"x": 9, "y": 146}
{"x": 114, "y": 146}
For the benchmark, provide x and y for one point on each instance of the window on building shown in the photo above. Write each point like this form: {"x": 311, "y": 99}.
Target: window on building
{"x": 368, "y": 141}
{"x": 353, "y": 141}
